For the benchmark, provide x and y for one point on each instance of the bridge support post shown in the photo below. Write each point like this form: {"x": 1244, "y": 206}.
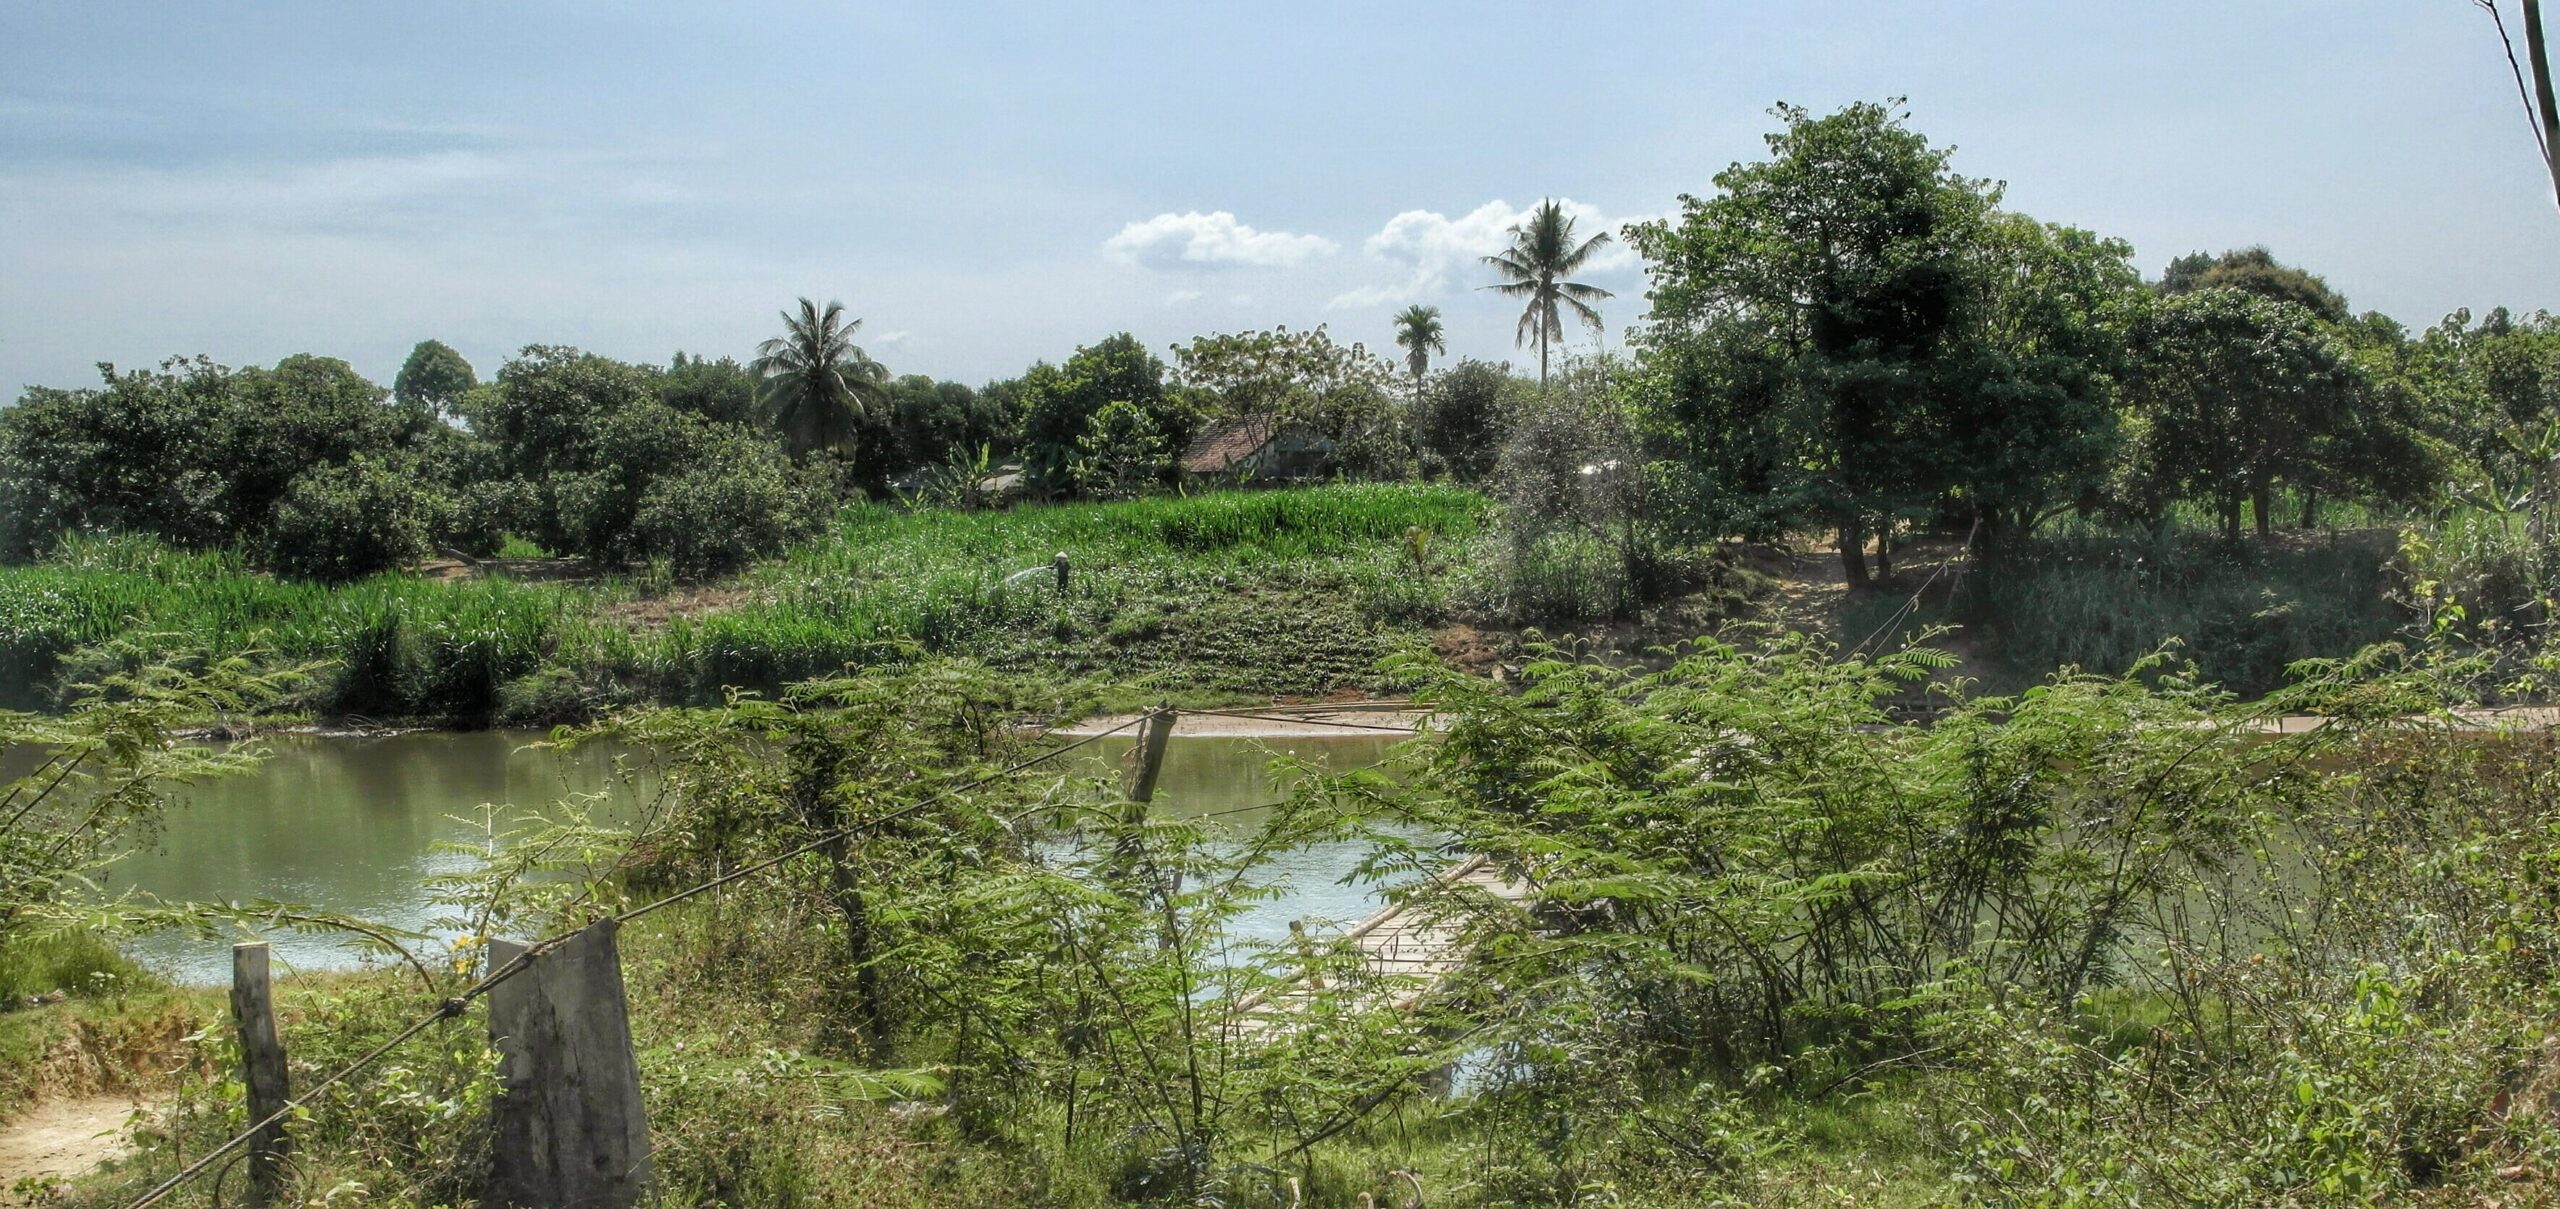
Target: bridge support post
{"x": 571, "y": 1129}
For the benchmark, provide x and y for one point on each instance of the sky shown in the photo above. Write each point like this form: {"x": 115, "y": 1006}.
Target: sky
{"x": 991, "y": 184}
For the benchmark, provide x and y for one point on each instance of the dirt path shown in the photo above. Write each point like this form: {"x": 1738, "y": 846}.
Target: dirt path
{"x": 63, "y": 1138}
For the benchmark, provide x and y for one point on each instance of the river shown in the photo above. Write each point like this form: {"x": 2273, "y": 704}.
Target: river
{"x": 353, "y": 826}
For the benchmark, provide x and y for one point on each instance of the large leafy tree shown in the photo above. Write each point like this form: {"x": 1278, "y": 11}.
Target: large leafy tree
{"x": 604, "y": 467}
{"x": 1806, "y": 317}
{"x": 434, "y": 378}
{"x": 1465, "y": 415}
{"x": 721, "y": 391}
{"x": 1304, "y": 380}
{"x": 919, "y": 422}
{"x": 1543, "y": 253}
{"x": 817, "y": 381}
{"x": 2234, "y": 393}
{"x": 1419, "y": 334}
{"x": 192, "y": 452}
{"x": 1058, "y": 403}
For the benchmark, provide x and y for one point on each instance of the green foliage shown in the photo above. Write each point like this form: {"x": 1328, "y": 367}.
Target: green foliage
{"x": 721, "y": 391}
{"x": 1850, "y": 332}
{"x": 2236, "y": 393}
{"x": 1465, "y": 415}
{"x": 1058, "y": 403}
{"x": 1241, "y": 591}
{"x": 720, "y": 514}
{"x": 921, "y": 423}
{"x": 1578, "y": 539}
{"x": 593, "y": 461}
{"x": 195, "y": 453}
{"x": 1542, "y": 254}
{"x": 434, "y": 379}
{"x": 818, "y": 383}
{"x": 343, "y": 522}
{"x": 1420, "y": 333}
{"x": 2106, "y": 602}
{"x": 1305, "y": 382}
{"x": 1121, "y": 453}
{"x": 2254, "y": 271}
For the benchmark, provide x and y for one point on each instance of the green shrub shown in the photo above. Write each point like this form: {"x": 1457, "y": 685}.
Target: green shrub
{"x": 342, "y": 522}
{"x": 719, "y": 516}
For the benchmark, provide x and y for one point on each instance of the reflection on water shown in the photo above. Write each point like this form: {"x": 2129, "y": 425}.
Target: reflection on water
{"x": 350, "y": 826}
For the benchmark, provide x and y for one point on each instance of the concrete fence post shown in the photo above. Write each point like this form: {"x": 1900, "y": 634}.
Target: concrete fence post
{"x": 572, "y": 1132}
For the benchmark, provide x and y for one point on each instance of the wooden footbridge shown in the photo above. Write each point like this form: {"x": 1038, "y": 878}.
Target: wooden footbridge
{"x": 1407, "y": 948}
{"x": 1405, "y": 951}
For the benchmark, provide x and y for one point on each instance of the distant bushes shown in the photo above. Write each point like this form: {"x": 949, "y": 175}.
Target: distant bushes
{"x": 1269, "y": 591}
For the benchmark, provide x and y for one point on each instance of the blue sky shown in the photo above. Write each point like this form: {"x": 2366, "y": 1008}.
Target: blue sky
{"x": 993, "y": 184}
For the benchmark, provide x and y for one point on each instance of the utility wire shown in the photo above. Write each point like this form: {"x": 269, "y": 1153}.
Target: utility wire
{"x": 1912, "y": 605}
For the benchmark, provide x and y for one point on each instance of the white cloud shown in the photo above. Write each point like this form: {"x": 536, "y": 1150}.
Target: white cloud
{"x": 1371, "y": 295}
{"x": 1194, "y": 240}
{"x": 900, "y": 336}
{"x": 1432, "y": 248}
{"x": 1178, "y": 297}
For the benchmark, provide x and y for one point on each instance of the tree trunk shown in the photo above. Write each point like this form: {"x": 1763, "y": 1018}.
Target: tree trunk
{"x": 2231, "y": 516}
{"x": 2310, "y": 507}
{"x": 1853, "y": 552}
{"x": 861, "y": 951}
{"x": 2540, "y": 55}
{"x": 2262, "y": 502}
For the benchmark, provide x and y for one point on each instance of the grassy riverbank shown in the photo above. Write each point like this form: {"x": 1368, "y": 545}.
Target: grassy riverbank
{"x": 1239, "y": 592}
{"x": 1217, "y": 597}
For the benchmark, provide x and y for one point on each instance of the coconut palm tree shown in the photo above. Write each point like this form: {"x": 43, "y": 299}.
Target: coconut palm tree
{"x": 1418, "y": 330}
{"x": 1541, "y": 254}
{"x": 817, "y": 381}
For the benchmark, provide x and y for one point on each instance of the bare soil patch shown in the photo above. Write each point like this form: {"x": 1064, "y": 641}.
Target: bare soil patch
{"x": 654, "y": 612}
{"x": 59, "y": 1139}
{"x": 529, "y": 570}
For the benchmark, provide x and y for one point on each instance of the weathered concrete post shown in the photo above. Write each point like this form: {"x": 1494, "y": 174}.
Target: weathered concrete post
{"x": 571, "y": 1130}
{"x": 1151, "y": 744}
{"x": 262, "y": 1067}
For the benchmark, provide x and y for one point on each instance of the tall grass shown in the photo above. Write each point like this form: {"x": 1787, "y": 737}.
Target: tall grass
{"x": 880, "y": 587}
{"x": 2102, "y": 599}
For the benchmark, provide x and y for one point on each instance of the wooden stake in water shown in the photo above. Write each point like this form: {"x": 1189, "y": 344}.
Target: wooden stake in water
{"x": 1151, "y": 745}
{"x": 262, "y": 1067}
{"x": 571, "y": 1130}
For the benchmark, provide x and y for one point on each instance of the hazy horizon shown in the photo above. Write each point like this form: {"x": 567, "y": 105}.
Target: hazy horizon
{"x": 997, "y": 186}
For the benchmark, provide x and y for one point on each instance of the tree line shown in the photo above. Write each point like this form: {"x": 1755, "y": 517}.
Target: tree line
{"x": 1846, "y": 336}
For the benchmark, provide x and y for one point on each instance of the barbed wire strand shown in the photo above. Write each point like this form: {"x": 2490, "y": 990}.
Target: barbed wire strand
{"x": 457, "y": 1004}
